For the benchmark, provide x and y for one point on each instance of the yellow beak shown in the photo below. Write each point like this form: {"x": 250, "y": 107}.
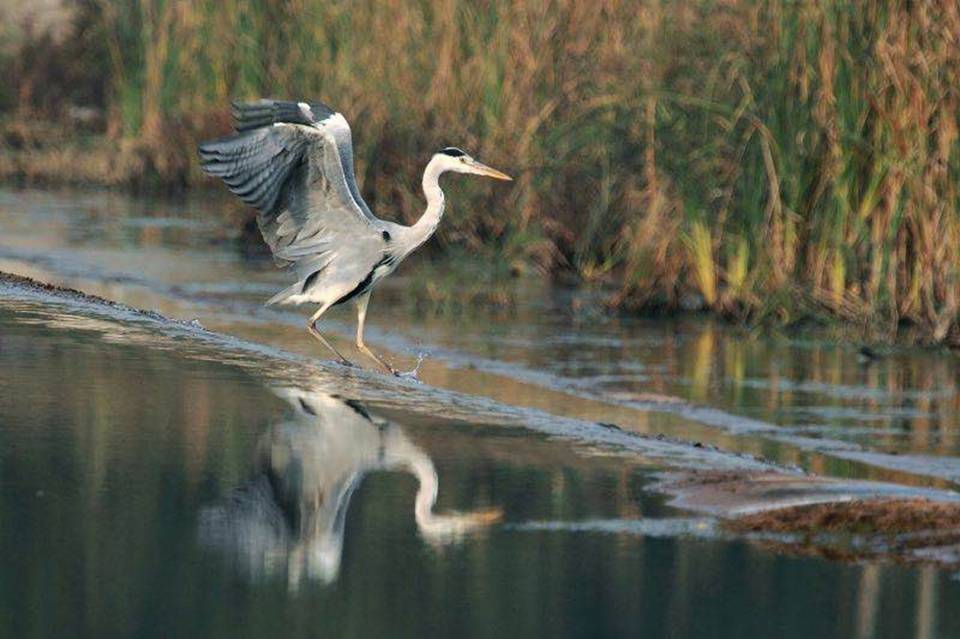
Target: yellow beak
{"x": 483, "y": 169}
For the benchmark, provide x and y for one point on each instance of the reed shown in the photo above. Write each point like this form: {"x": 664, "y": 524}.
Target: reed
{"x": 768, "y": 159}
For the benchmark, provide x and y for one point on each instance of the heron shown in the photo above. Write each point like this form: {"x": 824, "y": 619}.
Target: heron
{"x": 291, "y": 513}
{"x": 293, "y": 163}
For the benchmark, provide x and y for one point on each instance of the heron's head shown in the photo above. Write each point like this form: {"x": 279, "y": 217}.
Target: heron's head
{"x": 454, "y": 159}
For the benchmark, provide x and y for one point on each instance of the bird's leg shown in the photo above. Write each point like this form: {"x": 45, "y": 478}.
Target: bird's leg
{"x": 312, "y": 327}
{"x": 362, "y": 302}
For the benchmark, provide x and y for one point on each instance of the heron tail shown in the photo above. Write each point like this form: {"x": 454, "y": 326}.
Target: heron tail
{"x": 294, "y": 289}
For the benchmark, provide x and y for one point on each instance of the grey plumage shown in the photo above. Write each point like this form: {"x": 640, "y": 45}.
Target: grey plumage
{"x": 293, "y": 162}
{"x": 253, "y": 115}
{"x": 291, "y": 515}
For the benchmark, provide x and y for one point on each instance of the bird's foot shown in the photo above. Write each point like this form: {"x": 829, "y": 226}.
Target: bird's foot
{"x": 346, "y": 362}
{"x": 413, "y": 373}
{"x": 407, "y": 375}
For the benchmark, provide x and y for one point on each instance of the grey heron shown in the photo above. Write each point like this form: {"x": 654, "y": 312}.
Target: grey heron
{"x": 291, "y": 514}
{"x": 293, "y": 162}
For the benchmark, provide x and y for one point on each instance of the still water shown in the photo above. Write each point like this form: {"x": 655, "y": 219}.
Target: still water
{"x": 145, "y": 492}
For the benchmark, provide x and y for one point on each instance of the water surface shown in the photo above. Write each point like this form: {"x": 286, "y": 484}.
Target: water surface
{"x": 800, "y": 400}
{"x": 146, "y": 493}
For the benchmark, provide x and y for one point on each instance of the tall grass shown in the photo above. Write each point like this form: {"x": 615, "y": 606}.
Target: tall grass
{"x": 761, "y": 158}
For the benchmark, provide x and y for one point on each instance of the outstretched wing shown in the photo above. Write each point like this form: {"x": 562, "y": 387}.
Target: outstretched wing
{"x": 293, "y": 162}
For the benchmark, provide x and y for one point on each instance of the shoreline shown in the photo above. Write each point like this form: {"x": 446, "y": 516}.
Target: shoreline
{"x": 55, "y": 159}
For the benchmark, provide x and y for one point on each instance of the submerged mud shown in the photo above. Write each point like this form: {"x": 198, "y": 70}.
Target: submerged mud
{"x": 121, "y": 323}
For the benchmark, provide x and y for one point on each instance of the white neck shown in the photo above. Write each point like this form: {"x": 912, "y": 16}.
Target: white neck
{"x": 426, "y": 475}
{"x": 440, "y": 529}
{"x": 427, "y": 224}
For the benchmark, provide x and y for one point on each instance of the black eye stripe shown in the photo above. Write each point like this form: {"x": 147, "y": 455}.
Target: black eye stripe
{"x": 453, "y": 151}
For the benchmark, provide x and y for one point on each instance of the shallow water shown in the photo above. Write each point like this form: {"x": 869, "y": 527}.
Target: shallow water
{"x": 148, "y": 494}
{"x": 802, "y": 400}
{"x": 155, "y": 485}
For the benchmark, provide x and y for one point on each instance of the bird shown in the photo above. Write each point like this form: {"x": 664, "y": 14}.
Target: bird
{"x": 291, "y": 513}
{"x": 293, "y": 162}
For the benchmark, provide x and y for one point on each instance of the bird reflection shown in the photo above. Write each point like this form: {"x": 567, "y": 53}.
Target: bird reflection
{"x": 290, "y": 516}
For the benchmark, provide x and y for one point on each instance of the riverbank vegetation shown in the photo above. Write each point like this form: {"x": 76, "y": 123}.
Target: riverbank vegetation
{"x": 769, "y": 160}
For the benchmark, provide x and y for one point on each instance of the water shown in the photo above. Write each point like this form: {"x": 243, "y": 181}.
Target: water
{"x": 801, "y": 400}
{"x": 147, "y": 494}
{"x": 155, "y": 481}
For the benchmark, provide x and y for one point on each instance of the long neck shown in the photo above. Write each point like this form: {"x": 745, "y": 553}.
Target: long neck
{"x": 428, "y": 222}
{"x": 401, "y": 452}
{"x": 440, "y": 529}
{"x": 426, "y": 475}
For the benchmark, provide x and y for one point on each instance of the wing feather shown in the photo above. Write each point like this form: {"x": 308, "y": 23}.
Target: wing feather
{"x": 293, "y": 162}
{"x": 255, "y": 164}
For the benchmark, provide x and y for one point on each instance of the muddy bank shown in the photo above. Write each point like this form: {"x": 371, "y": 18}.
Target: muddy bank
{"x": 907, "y": 530}
{"x": 811, "y": 515}
{"x": 880, "y": 517}
{"x": 752, "y": 497}
{"x": 122, "y": 323}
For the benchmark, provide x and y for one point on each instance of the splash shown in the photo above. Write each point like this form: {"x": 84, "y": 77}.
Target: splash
{"x": 414, "y": 373}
